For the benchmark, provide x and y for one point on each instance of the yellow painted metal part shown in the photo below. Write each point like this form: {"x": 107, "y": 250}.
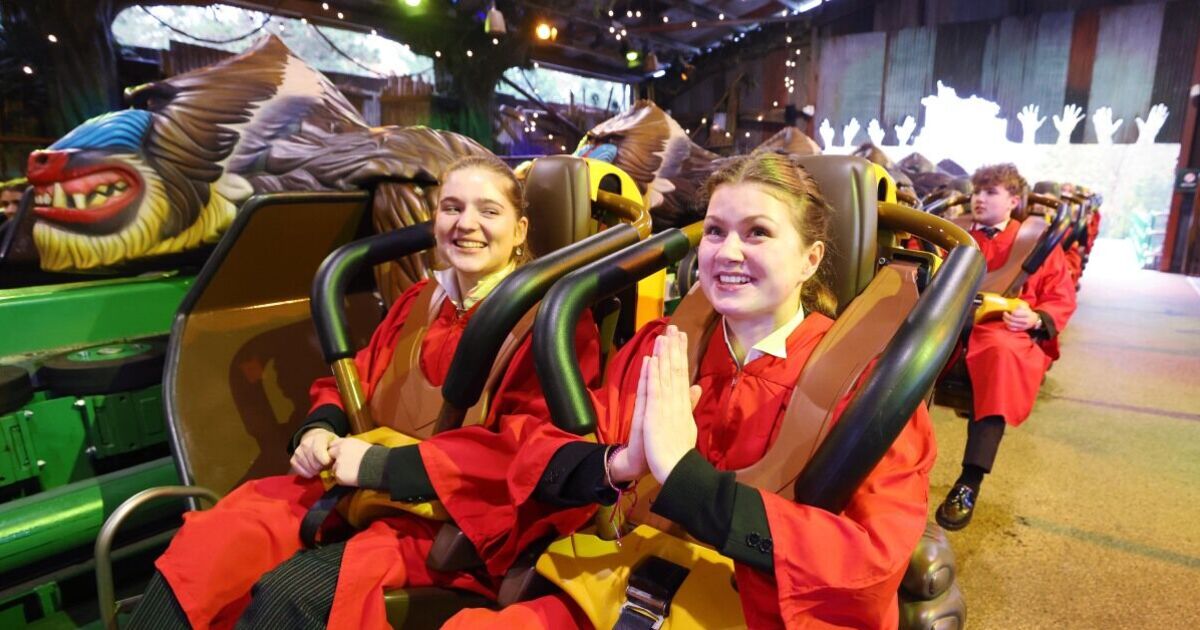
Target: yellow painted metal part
{"x": 594, "y": 572}
{"x": 651, "y": 297}
{"x": 345, "y": 374}
{"x": 993, "y": 305}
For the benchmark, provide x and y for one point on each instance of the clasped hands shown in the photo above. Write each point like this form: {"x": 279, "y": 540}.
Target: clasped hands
{"x": 663, "y": 429}
{"x": 1021, "y": 318}
{"x": 320, "y": 449}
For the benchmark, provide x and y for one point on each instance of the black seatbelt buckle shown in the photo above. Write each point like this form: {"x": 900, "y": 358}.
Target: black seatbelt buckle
{"x": 648, "y": 594}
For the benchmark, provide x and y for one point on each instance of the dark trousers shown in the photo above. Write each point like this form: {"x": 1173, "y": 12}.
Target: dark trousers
{"x": 983, "y": 441}
{"x": 296, "y": 594}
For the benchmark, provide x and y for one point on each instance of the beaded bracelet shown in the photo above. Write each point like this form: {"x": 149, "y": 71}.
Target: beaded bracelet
{"x": 616, "y": 518}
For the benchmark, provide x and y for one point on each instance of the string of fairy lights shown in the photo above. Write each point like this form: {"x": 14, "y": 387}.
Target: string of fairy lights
{"x": 625, "y": 27}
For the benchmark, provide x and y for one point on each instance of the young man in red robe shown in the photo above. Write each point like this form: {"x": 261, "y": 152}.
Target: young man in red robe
{"x": 1006, "y": 358}
{"x": 243, "y": 562}
{"x": 796, "y": 565}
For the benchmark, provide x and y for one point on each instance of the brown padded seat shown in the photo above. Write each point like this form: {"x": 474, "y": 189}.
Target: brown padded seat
{"x": 558, "y": 203}
{"x": 848, "y": 183}
{"x": 1001, "y": 280}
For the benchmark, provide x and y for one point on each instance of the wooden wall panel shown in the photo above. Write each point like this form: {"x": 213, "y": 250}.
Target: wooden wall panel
{"x": 958, "y": 55}
{"x": 908, "y": 77}
{"x": 850, "y": 80}
{"x": 1025, "y": 63}
{"x": 1082, "y": 57}
{"x": 1045, "y": 80}
{"x": 1123, "y": 75}
{"x": 1173, "y": 73}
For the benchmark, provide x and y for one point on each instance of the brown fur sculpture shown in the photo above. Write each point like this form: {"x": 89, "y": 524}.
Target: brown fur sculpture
{"x": 647, "y": 143}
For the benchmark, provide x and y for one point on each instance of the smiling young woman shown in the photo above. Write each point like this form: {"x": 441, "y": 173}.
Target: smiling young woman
{"x": 242, "y": 561}
{"x": 796, "y": 565}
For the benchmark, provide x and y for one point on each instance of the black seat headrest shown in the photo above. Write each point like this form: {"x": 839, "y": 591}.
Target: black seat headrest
{"x": 851, "y": 185}
{"x": 1048, "y": 188}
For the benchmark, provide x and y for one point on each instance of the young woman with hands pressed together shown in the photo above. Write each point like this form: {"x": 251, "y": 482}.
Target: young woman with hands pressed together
{"x": 796, "y": 565}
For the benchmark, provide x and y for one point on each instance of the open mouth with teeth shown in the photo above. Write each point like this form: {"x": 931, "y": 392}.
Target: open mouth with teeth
{"x": 87, "y": 196}
{"x": 463, "y": 243}
{"x": 732, "y": 280}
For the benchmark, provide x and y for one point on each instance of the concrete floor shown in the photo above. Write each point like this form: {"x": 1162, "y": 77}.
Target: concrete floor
{"x": 1091, "y": 518}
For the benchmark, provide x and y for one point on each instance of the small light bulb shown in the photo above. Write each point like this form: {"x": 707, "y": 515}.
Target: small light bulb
{"x": 26, "y": 69}
{"x": 693, "y": 23}
{"x": 324, "y": 6}
{"x": 495, "y": 42}
{"x": 666, "y": 19}
{"x": 469, "y": 53}
{"x": 437, "y": 53}
{"x": 53, "y": 38}
{"x": 340, "y": 16}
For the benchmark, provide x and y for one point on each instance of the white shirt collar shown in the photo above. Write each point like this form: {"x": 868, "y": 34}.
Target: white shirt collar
{"x": 448, "y": 286}
{"x": 774, "y": 344}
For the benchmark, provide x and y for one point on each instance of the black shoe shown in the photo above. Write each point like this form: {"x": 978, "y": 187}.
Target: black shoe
{"x": 955, "y": 512}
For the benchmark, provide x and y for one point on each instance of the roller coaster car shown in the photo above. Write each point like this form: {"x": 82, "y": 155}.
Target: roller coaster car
{"x": 885, "y": 315}
{"x": 1048, "y": 220}
{"x": 247, "y": 321}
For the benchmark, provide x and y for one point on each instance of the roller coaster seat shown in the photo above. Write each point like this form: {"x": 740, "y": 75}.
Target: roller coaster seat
{"x": 875, "y": 297}
{"x": 248, "y": 317}
{"x": 1041, "y": 231}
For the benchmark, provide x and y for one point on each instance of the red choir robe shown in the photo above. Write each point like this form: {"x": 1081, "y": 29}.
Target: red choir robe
{"x": 1093, "y": 229}
{"x": 831, "y": 570}
{"x": 220, "y": 553}
{"x": 1074, "y": 259}
{"x": 1007, "y": 367}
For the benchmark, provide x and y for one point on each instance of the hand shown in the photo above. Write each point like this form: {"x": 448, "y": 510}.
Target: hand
{"x": 1105, "y": 127}
{"x": 875, "y": 132}
{"x": 905, "y": 130}
{"x": 347, "y": 456}
{"x": 849, "y": 131}
{"x": 1021, "y": 319}
{"x": 1072, "y": 114}
{"x": 629, "y": 463}
{"x": 1030, "y": 123}
{"x": 312, "y": 454}
{"x": 1148, "y": 129}
{"x": 827, "y": 133}
{"x": 670, "y": 430}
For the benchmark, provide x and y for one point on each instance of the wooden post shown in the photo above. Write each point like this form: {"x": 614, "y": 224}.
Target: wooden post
{"x": 1186, "y": 140}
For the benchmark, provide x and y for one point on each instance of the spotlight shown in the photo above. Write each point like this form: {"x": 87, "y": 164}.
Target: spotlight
{"x": 413, "y": 3}
{"x": 545, "y": 32}
{"x": 494, "y": 23}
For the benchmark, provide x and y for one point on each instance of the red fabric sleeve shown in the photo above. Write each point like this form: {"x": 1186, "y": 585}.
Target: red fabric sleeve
{"x": 843, "y": 570}
{"x": 374, "y": 358}
{"x": 1051, "y": 290}
{"x": 479, "y": 473}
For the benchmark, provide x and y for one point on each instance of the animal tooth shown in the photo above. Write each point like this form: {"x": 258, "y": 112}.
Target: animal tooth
{"x": 60, "y": 196}
{"x": 121, "y": 185}
{"x": 97, "y": 199}
{"x": 80, "y": 200}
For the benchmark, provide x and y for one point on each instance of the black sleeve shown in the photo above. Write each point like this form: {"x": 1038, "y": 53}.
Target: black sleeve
{"x": 330, "y": 417}
{"x": 405, "y": 477}
{"x": 575, "y": 477}
{"x": 1047, "y": 331}
{"x": 717, "y": 510}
